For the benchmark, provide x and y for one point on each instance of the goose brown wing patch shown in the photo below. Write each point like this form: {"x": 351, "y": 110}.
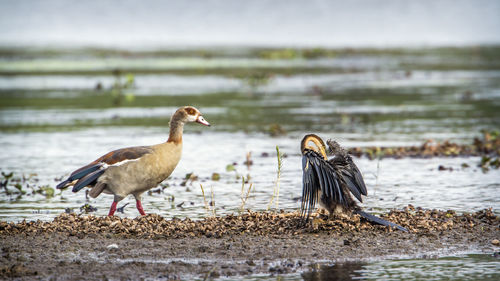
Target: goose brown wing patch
{"x": 119, "y": 155}
{"x": 97, "y": 167}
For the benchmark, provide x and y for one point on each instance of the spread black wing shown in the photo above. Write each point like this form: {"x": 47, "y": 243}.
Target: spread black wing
{"x": 318, "y": 175}
{"x": 350, "y": 173}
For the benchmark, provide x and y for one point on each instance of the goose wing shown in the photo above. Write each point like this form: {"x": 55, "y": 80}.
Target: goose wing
{"x": 88, "y": 174}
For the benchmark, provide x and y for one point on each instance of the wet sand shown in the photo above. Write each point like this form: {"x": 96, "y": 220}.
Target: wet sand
{"x": 97, "y": 248}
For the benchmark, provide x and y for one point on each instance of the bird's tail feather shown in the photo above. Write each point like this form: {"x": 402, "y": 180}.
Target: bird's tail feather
{"x": 86, "y": 180}
{"x": 63, "y": 184}
{"x": 78, "y": 174}
{"x": 378, "y": 220}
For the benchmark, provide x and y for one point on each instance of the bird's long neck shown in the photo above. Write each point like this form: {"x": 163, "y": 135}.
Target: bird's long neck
{"x": 176, "y": 128}
{"x": 320, "y": 146}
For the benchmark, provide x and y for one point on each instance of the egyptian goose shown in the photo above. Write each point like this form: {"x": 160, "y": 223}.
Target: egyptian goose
{"x": 332, "y": 182}
{"x": 134, "y": 170}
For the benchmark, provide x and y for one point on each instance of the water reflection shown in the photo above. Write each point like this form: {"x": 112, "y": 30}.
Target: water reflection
{"x": 336, "y": 272}
{"x": 460, "y": 267}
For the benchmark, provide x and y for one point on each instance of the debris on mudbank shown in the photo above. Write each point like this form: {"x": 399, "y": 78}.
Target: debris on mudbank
{"x": 416, "y": 220}
{"x": 488, "y": 144}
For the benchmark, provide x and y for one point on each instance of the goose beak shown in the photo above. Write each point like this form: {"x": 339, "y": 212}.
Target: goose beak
{"x": 202, "y": 121}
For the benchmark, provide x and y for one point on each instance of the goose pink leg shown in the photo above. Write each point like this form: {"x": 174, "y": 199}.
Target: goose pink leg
{"x": 139, "y": 207}
{"x": 113, "y": 208}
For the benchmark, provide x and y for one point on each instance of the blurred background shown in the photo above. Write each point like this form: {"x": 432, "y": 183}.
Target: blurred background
{"x": 81, "y": 78}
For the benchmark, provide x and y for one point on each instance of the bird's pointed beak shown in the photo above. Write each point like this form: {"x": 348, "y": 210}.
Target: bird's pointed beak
{"x": 202, "y": 121}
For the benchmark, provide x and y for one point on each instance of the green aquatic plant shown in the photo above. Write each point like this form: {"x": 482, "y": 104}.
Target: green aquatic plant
{"x": 21, "y": 184}
{"x": 244, "y": 195}
{"x": 215, "y": 176}
{"x": 19, "y": 187}
{"x": 279, "y": 54}
{"x": 232, "y": 168}
{"x": 276, "y": 191}
{"x": 119, "y": 90}
{"x": 190, "y": 177}
{"x": 256, "y": 79}
{"x": 209, "y": 207}
{"x": 315, "y": 53}
{"x": 276, "y": 130}
{"x": 46, "y": 191}
{"x": 87, "y": 208}
{"x": 488, "y": 163}
{"x": 5, "y": 181}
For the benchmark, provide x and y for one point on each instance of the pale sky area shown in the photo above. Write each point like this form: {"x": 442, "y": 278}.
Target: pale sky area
{"x": 150, "y": 24}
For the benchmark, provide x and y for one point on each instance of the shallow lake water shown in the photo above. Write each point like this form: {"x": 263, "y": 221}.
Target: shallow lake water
{"x": 60, "y": 110}
{"x": 459, "y": 267}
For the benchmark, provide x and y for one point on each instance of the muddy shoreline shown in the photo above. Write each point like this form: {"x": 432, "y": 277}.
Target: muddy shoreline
{"x": 97, "y": 248}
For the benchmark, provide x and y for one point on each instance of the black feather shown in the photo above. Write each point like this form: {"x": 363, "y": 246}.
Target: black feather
{"x": 82, "y": 172}
{"x": 378, "y": 220}
{"x": 310, "y": 183}
{"x": 358, "y": 179}
{"x": 62, "y": 184}
{"x": 355, "y": 190}
{"x": 87, "y": 180}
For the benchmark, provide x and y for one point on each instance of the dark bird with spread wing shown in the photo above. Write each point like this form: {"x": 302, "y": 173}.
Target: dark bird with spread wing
{"x": 332, "y": 182}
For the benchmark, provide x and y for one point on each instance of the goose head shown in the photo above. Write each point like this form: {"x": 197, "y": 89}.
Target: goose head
{"x": 188, "y": 114}
{"x": 314, "y": 143}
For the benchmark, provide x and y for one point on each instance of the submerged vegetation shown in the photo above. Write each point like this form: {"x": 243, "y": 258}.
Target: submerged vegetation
{"x": 23, "y": 185}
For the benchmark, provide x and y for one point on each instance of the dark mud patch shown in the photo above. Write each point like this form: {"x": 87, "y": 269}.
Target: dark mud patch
{"x": 74, "y": 247}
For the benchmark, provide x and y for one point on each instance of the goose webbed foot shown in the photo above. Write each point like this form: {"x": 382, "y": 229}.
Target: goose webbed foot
{"x": 122, "y": 208}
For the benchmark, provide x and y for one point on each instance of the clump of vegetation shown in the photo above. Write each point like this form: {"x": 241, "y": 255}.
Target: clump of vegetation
{"x": 190, "y": 177}
{"x": 276, "y": 130}
{"x": 244, "y": 195}
{"x": 87, "y": 208}
{"x": 488, "y": 163}
{"x": 46, "y": 190}
{"x": 293, "y": 54}
{"x": 489, "y": 144}
{"x": 210, "y": 207}
{"x": 315, "y": 53}
{"x": 279, "y": 54}
{"x": 24, "y": 185}
{"x": 5, "y": 181}
{"x": 256, "y": 79}
{"x": 248, "y": 161}
{"x": 232, "y": 168}
{"x": 120, "y": 88}
{"x": 215, "y": 176}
